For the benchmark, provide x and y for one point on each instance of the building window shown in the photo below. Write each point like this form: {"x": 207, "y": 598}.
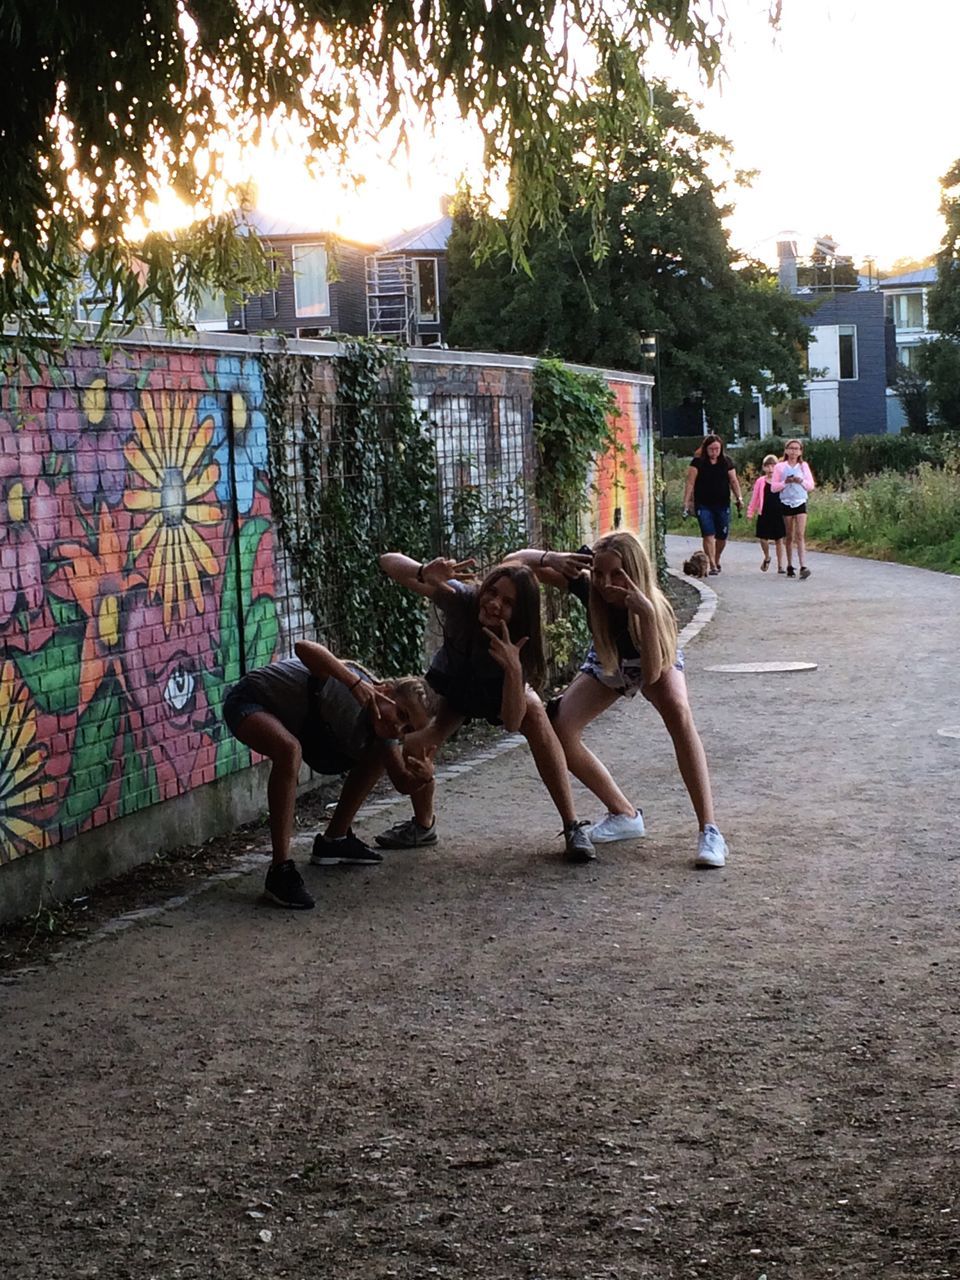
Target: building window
{"x": 847, "y": 343}
{"x": 906, "y": 310}
{"x": 428, "y": 295}
{"x": 910, "y": 356}
{"x": 211, "y": 310}
{"x": 311, "y": 290}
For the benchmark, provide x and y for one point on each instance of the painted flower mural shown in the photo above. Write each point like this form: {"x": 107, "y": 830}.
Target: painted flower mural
{"x": 28, "y": 517}
{"x": 237, "y": 403}
{"x": 93, "y": 436}
{"x": 98, "y": 584}
{"x": 170, "y": 455}
{"x": 130, "y": 596}
{"x": 22, "y": 786}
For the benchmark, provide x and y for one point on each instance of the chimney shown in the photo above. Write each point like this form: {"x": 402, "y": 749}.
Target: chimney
{"x": 787, "y": 270}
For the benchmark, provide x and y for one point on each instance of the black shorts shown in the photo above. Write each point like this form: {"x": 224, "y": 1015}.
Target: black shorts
{"x": 795, "y": 511}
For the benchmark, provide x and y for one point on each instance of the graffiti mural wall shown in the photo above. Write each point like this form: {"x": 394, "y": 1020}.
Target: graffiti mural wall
{"x": 623, "y": 484}
{"x": 136, "y": 578}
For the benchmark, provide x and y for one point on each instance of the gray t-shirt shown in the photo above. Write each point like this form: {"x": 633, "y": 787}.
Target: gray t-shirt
{"x": 309, "y": 706}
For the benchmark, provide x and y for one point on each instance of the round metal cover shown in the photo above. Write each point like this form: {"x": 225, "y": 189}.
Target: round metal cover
{"x": 751, "y": 668}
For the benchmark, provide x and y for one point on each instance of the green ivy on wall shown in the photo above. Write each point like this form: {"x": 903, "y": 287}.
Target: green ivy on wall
{"x": 364, "y": 481}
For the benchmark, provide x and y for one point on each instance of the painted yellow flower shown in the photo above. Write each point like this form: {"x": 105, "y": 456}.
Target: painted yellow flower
{"x": 22, "y": 758}
{"x": 170, "y": 452}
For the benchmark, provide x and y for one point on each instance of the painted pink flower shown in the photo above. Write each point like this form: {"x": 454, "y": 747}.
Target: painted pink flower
{"x": 95, "y": 435}
{"x": 28, "y": 517}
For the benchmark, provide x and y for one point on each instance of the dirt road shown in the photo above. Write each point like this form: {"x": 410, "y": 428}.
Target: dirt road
{"x": 478, "y": 1061}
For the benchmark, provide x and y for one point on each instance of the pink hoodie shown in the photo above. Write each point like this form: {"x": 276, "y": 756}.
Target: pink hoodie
{"x": 755, "y": 505}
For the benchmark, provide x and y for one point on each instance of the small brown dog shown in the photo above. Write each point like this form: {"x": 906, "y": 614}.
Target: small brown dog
{"x": 698, "y": 566}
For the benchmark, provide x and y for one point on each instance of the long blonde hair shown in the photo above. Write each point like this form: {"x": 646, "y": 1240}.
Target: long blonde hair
{"x": 637, "y": 566}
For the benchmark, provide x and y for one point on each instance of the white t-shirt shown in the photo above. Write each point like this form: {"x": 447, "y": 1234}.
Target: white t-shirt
{"x": 793, "y": 493}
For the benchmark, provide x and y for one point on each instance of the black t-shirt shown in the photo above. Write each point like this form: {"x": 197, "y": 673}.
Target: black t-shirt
{"x": 620, "y": 630}
{"x": 462, "y": 670}
{"x": 712, "y": 488}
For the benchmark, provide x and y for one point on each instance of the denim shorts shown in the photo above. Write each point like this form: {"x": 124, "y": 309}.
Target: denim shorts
{"x": 714, "y": 521}
{"x": 627, "y": 680}
{"x": 320, "y": 752}
{"x": 237, "y": 705}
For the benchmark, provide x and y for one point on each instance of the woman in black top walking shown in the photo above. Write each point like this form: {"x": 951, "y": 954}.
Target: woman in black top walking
{"x": 711, "y": 477}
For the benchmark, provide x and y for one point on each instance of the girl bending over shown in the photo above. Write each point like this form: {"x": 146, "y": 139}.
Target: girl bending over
{"x": 336, "y": 718}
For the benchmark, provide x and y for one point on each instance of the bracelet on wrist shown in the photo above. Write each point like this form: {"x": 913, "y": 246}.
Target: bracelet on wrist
{"x": 543, "y": 557}
{"x": 420, "y": 572}
{"x": 359, "y": 680}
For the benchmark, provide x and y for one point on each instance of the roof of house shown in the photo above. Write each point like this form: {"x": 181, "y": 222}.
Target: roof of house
{"x": 432, "y": 237}
{"x": 927, "y": 275}
{"x": 271, "y": 227}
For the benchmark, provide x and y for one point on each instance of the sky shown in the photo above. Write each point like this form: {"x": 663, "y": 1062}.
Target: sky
{"x": 847, "y": 112}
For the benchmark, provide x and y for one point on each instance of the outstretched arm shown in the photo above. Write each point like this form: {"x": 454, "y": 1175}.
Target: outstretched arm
{"x": 554, "y": 568}
{"x": 320, "y": 662}
{"x": 428, "y": 578}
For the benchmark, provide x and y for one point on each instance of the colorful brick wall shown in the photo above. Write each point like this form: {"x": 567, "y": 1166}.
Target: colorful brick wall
{"x": 140, "y": 575}
{"x": 136, "y": 562}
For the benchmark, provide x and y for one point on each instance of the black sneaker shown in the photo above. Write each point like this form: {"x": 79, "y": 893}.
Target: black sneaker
{"x": 408, "y": 835}
{"x": 804, "y": 571}
{"x": 578, "y": 845}
{"x": 350, "y": 851}
{"x": 285, "y": 886}
{"x": 791, "y": 572}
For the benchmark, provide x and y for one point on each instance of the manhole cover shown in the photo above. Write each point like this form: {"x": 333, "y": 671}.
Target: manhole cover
{"x": 751, "y": 668}
{"x": 951, "y": 731}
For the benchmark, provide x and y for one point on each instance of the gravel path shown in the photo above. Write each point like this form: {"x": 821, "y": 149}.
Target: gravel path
{"x": 477, "y": 1061}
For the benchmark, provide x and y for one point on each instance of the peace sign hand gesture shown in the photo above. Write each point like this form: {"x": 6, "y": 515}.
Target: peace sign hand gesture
{"x": 442, "y": 569}
{"x": 628, "y": 594}
{"x": 503, "y": 651}
{"x": 374, "y": 699}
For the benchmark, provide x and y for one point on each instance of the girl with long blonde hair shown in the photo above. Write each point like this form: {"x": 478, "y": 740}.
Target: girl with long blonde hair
{"x": 634, "y": 650}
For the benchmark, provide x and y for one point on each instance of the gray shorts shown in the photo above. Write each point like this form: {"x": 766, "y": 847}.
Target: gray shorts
{"x": 627, "y": 680}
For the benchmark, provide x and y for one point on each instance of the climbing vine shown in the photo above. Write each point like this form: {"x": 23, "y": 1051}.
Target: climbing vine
{"x": 361, "y": 480}
{"x": 573, "y": 416}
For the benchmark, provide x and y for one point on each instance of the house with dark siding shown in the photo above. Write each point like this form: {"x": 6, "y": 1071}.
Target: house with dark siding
{"x": 327, "y": 285}
{"x": 851, "y": 360}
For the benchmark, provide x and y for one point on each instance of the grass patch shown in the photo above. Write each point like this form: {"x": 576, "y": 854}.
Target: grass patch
{"x": 911, "y": 518}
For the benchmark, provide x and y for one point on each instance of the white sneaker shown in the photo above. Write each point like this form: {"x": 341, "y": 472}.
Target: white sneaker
{"x": 711, "y": 848}
{"x": 617, "y": 826}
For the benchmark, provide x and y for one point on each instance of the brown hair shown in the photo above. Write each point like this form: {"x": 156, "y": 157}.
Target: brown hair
{"x": 525, "y": 619}
{"x": 638, "y": 567}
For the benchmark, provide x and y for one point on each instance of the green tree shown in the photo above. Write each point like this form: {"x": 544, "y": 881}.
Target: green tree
{"x": 914, "y": 395}
{"x": 940, "y": 357}
{"x": 104, "y": 102}
{"x": 724, "y": 327}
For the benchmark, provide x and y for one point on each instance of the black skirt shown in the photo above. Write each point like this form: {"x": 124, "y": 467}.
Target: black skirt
{"x": 770, "y": 524}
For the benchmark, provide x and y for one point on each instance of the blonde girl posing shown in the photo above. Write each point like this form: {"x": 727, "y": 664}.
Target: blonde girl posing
{"x": 765, "y": 505}
{"x": 489, "y": 667}
{"x": 792, "y": 479}
{"x": 634, "y": 650}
